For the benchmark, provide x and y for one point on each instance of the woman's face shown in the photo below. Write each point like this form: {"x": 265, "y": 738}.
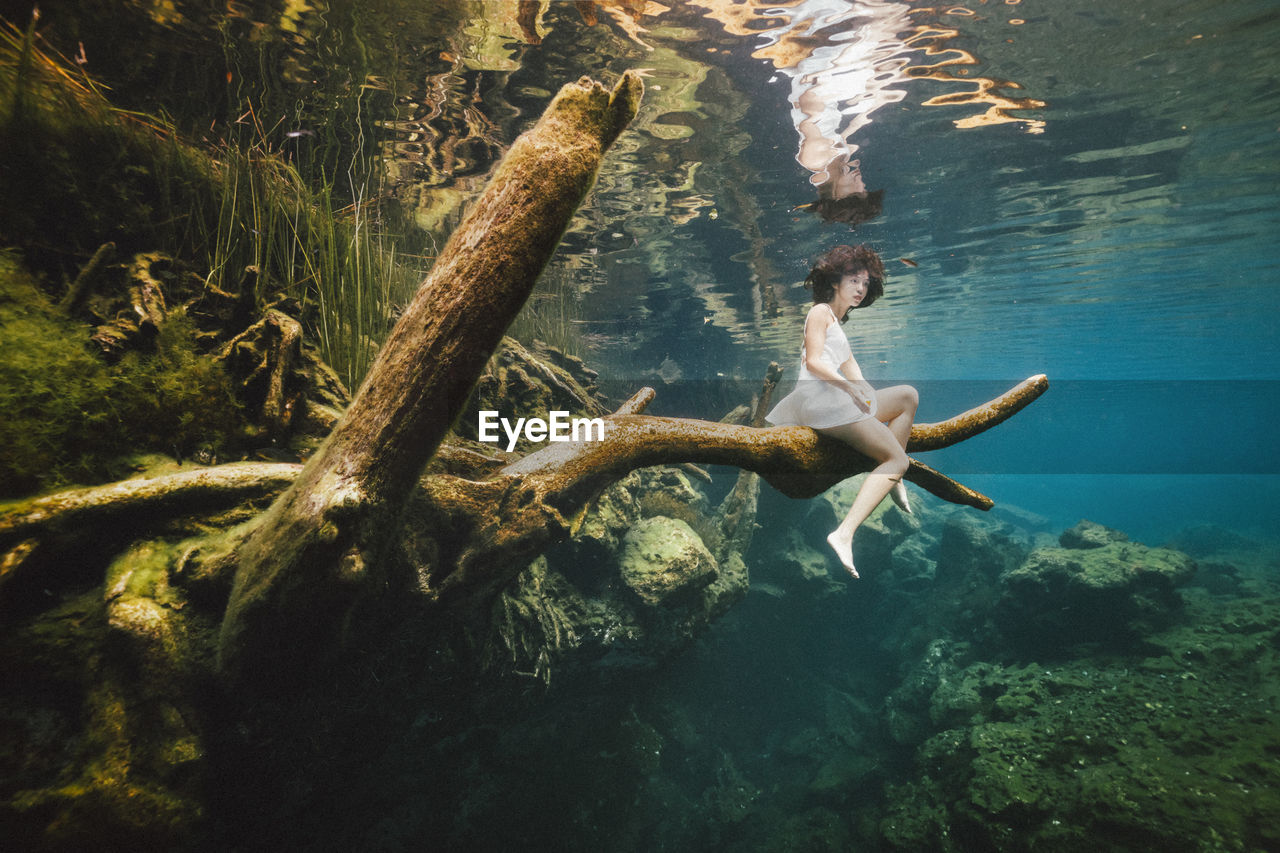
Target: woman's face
{"x": 853, "y": 287}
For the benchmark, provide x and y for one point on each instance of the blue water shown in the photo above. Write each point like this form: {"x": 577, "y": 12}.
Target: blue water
{"x": 1120, "y": 238}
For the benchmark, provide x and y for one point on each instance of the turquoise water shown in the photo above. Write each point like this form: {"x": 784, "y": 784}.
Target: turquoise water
{"x": 1070, "y": 188}
{"x": 1122, "y": 231}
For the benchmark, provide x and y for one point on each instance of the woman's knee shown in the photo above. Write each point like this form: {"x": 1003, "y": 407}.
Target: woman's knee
{"x": 893, "y": 462}
{"x": 911, "y": 398}
{"x": 898, "y": 464}
{"x": 898, "y": 400}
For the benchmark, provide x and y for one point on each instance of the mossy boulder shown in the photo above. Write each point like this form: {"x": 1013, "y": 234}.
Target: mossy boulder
{"x": 1089, "y": 534}
{"x": 71, "y": 417}
{"x": 663, "y": 560}
{"x": 1112, "y": 594}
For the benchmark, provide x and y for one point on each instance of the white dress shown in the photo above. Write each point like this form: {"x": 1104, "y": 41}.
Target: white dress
{"x": 815, "y": 402}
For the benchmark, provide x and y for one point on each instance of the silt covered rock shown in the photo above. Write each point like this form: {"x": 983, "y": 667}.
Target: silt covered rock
{"x": 662, "y": 558}
{"x": 1089, "y": 534}
{"x": 1112, "y": 593}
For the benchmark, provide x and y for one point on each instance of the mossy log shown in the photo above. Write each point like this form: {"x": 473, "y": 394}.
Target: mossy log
{"x": 323, "y": 542}
{"x": 797, "y": 461}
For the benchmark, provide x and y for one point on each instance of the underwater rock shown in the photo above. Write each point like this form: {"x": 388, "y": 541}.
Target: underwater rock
{"x": 1219, "y": 579}
{"x": 971, "y": 558}
{"x": 662, "y": 558}
{"x": 907, "y": 708}
{"x": 600, "y": 534}
{"x": 1171, "y": 751}
{"x": 816, "y": 830}
{"x": 1114, "y": 593}
{"x": 646, "y": 493}
{"x": 1088, "y": 534}
{"x": 972, "y": 555}
{"x": 1206, "y": 539}
{"x": 632, "y": 586}
{"x": 799, "y": 559}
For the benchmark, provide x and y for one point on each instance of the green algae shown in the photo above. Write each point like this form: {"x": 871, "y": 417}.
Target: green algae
{"x": 1145, "y": 754}
{"x": 91, "y": 172}
{"x": 98, "y": 693}
{"x": 1109, "y": 593}
{"x": 72, "y": 418}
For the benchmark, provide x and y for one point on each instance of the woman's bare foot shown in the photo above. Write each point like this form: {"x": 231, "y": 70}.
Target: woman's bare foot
{"x": 844, "y": 550}
{"x": 899, "y": 495}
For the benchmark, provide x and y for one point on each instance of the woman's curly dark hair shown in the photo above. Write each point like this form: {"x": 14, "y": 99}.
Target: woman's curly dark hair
{"x": 842, "y": 261}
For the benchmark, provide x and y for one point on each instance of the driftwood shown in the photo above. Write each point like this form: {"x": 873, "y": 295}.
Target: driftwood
{"x": 543, "y": 494}
{"x": 87, "y": 279}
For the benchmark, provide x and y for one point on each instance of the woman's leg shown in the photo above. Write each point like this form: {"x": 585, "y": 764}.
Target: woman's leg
{"x": 875, "y": 440}
{"x": 896, "y": 407}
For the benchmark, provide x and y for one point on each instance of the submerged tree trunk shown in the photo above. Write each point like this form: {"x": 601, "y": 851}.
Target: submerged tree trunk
{"x": 322, "y": 542}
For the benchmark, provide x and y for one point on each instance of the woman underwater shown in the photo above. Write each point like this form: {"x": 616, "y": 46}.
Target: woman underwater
{"x": 832, "y": 397}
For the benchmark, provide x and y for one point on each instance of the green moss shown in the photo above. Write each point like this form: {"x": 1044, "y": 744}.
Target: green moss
{"x": 1176, "y": 750}
{"x": 71, "y": 418}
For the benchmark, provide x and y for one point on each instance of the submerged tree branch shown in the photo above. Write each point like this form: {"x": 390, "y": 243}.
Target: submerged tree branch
{"x": 488, "y": 529}
{"x": 534, "y": 500}
{"x": 155, "y": 499}
{"x": 796, "y": 460}
{"x": 978, "y": 419}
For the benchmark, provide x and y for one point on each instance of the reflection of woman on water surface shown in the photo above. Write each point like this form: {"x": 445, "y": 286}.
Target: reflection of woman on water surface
{"x": 833, "y": 397}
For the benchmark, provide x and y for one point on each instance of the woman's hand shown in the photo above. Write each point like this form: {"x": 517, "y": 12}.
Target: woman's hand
{"x": 862, "y": 395}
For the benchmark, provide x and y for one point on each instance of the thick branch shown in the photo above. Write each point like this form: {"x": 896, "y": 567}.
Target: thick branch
{"x": 130, "y": 505}
{"x": 533, "y": 501}
{"x": 482, "y": 278}
{"x": 795, "y": 460}
{"x": 523, "y": 507}
{"x": 203, "y": 489}
{"x": 978, "y": 419}
{"x": 154, "y": 498}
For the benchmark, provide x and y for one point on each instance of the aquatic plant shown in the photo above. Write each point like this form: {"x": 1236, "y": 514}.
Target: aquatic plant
{"x": 337, "y": 260}
{"x": 90, "y": 172}
{"x": 72, "y": 418}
